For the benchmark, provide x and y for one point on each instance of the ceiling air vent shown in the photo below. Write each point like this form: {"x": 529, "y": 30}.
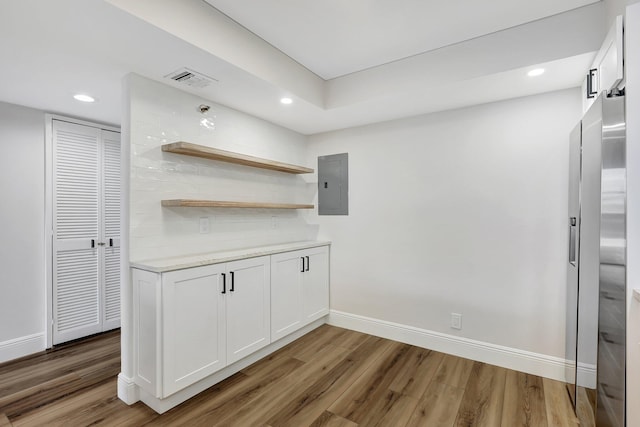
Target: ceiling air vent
{"x": 191, "y": 78}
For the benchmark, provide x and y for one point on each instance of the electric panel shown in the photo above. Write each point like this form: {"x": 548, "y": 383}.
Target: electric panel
{"x": 333, "y": 184}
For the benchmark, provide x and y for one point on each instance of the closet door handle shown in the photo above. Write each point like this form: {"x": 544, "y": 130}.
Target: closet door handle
{"x": 308, "y": 263}
{"x": 233, "y": 281}
{"x": 224, "y": 283}
{"x": 93, "y": 243}
{"x": 573, "y": 237}
{"x": 302, "y": 258}
{"x": 111, "y": 242}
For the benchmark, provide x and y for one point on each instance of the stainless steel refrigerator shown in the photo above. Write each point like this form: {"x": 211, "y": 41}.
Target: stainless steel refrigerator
{"x": 596, "y": 270}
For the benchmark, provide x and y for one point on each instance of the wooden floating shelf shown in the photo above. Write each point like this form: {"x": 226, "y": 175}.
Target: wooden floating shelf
{"x": 195, "y": 150}
{"x": 188, "y": 203}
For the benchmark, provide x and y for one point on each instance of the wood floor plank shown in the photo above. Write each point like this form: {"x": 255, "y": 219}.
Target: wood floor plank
{"x": 4, "y": 421}
{"x": 348, "y": 339}
{"x": 49, "y": 392}
{"x": 303, "y": 407}
{"x": 258, "y": 409}
{"x": 483, "y": 398}
{"x": 98, "y": 407}
{"x": 328, "y": 419}
{"x": 15, "y": 403}
{"x": 224, "y": 398}
{"x": 393, "y": 410}
{"x": 63, "y": 412}
{"x": 105, "y": 342}
{"x": 417, "y": 373}
{"x": 524, "y": 403}
{"x": 306, "y": 346}
{"x": 372, "y": 387}
{"x": 557, "y": 404}
{"x": 309, "y": 348}
{"x": 586, "y": 403}
{"x": 57, "y": 363}
{"x": 454, "y": 371}
{"x": 438, "y": 406}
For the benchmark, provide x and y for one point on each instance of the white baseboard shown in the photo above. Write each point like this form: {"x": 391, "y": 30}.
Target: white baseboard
{"x": 127, "y": 390}
{"x": 22, "y": 346}
{"x": 586, "y": 375}
{"x": 507, "y": 357}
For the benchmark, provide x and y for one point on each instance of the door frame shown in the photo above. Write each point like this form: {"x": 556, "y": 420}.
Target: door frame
{"x": 48, "y": 210}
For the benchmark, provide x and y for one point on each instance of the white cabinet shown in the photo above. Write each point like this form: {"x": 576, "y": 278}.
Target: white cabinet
{"x": 299, "y": 289}
{"x": 248, "y": 307}
{"x": 194, "y": 330}
{"x": 607, "y": 70}
{"x": 190, "y": 323}
{"x": 199, "y": 320}
{"x": 315, "y": 284}
{"x": 286, "y": 293}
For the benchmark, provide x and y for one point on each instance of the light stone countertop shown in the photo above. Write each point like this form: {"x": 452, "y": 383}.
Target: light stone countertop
{"x": 161, "y": 265}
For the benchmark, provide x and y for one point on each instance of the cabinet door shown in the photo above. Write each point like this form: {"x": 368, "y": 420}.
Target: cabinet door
{"x": 315, "y": 284}
{"x": 194, "y": 327}
{"x": 248, "y": 307}
{"x": 286, "y": 293}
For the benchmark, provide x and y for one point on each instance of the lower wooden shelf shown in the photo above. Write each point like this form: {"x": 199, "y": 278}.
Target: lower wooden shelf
{"x": 189, "y": 203}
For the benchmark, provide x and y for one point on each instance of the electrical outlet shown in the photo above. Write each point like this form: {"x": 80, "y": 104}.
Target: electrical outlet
{"x": 204, "y": 225}
{"x": 456, "y": 320}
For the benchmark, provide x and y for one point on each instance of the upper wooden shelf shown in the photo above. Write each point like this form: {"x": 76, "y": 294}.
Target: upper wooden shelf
{"x": 189, "y": 149}
{"x": 189, "y": 203}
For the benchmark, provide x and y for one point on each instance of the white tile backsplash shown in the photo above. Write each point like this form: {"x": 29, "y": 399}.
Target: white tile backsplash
{"x": 161, "y": 114}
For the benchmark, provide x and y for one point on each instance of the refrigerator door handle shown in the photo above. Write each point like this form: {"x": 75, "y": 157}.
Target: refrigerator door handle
{"x": 572, "y": 240}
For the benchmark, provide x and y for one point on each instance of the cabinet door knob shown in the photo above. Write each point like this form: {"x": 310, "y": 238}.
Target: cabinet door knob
{"x": 302, "y": 258}
{"x": 233, "y": 281}
{"x": 308, "y": 263}
{"x": 224, "y": 283}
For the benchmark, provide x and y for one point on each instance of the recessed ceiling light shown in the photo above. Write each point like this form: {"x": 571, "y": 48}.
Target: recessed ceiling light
{"x": 83, "y": 98}
{"x": 535, "y": 72}
{"x": 286, "y": 101}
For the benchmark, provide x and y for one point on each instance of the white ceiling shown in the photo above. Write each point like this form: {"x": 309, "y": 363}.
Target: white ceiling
{"x": 52, "y": 50}
{"x": 337, "y": 37}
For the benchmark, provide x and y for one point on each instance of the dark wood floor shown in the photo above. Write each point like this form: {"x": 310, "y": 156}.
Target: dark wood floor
{"x": 330, "y": 377}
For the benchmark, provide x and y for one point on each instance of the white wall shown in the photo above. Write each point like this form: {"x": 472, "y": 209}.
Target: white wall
{"x": 632, "y": 65}
{"x": 161, "y": 114}
{"x": 461, "y": 211}
{"x": 615, "y": 8}
{"x": 22, "y": 287}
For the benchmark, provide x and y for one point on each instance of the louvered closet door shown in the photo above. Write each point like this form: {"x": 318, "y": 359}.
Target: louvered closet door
{"x": 111, "y": 230}
{"x": 76, "y": 228}
{"x": 86, "y": 231}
